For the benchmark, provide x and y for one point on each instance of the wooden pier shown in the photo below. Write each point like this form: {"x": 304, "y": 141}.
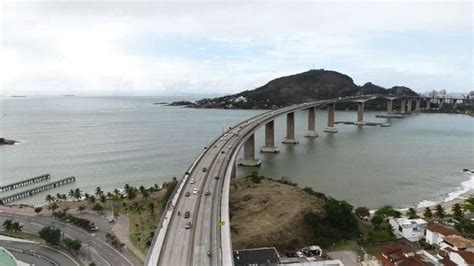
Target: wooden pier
{"x": 25, "y": 182}
{"x": 37, "y": 190}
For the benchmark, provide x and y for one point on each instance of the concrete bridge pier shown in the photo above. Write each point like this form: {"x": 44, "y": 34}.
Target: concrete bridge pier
{"x": 270, "y": 138}
{"x": 403, "y": 106}
{"x": 409, "y": 105}
{"x": 249, "y": 153}
{"x": 311, "y": 123}
{"x": 233, "y": 174}
{"x": 417, "y": 105}
{"x": 428, "y": 104}
{"x": 290, "y": 129}
{"x": 331, "y": 111}
{"x": 389, "y": 107}
{"x": 360, "y": 114}
{"x": 455, "y": 104}
{"x": 441, "y": 102}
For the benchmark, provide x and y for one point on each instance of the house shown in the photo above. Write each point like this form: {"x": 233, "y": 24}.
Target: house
{"x": 435, "y": 233}
{"x": 457, "y": 250}
{"x": 462, "y": 257}
{"x": 398, "y": 254}
{"x": 411, "y": 229}
{"x": 457, "y": 243}
{"x": 393, "y": 254}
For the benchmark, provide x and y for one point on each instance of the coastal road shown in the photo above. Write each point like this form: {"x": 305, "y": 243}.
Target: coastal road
{"x": 33, "y": 224}
{"x": 208, "y": 242}
{"x": 28, "y": 252}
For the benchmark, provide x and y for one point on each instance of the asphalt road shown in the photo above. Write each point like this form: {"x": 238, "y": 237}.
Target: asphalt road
{"x": 33, "y": 224}
{"x": 26, "y": 253}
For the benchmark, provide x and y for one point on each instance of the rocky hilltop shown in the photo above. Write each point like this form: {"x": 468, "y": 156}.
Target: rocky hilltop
{"x": 303, "y": 87}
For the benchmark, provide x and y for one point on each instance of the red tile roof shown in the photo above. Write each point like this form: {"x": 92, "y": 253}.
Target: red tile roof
{"x": 467, "y": 256}
{"x": 442, "y": 230}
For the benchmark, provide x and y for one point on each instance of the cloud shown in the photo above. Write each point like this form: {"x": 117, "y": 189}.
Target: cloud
{"x": 149, "y": 48}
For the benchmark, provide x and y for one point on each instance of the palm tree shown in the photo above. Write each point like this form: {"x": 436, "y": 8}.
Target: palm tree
{"x": 71, "y": 194}
{"x": 92, "y": 199}
{"x": 439, "y": 211}
{"x": 468, "y": 205}
{"x": 49, "y": 198}
{"x": 428, "y": 214}
{"x": 103, "y": 199}
{"x": 137, "y": 208}
{"x": 77, "y": 194}
{"x": 7, "y": 225}
{"x": 64, "y": 197}
{"x": 98, "y": 191}
{"x": 151, "y": 208}
{"x": 412, "y": 214}
{"x": 53, "y": 206}
{"x": 16, "y": 227}
{"x": 86, "y": 196}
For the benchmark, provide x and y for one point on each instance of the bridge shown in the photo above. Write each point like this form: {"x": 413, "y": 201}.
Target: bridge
{"x": 204, "y": 238}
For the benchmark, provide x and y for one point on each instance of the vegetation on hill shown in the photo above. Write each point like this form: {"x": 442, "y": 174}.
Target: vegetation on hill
{"x": 269, "y": 212}
{"x": 303, "y": 87}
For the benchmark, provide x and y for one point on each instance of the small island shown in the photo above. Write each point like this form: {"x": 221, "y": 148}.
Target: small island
{"x": 4, "y": 141}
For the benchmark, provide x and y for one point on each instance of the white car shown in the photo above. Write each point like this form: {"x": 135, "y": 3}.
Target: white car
{"x": 195, "y": 191}
{"x": 191, "y": 181}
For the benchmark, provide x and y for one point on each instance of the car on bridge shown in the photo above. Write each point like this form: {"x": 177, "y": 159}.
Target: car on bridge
{"x": 216, "y": 177}
{"x": 204, "y": 169}
{"x": 187, "y": 194}
{"x": 187, "y": 214}
{"x": 191, "y": 181}
{"x": 195, "y": 191}
{"x": 207, "y": 193}
{"x": 188, "y": 225}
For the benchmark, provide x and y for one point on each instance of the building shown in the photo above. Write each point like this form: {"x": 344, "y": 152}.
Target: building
{"x": 435, "y": 233}
{"x": 462, "y": 257}
{"x": 411, "y": 229}
{"x": 457, "y": 243}
{"x": 256, "y": 256}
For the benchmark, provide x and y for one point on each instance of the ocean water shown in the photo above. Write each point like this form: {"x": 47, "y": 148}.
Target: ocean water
{"x": 112, "y": 141}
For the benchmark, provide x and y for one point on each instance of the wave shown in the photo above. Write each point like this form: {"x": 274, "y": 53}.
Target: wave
{"x": 464, "y": 188}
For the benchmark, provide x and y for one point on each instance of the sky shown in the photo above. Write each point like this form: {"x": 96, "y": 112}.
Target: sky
{"x": 215, "y": 47}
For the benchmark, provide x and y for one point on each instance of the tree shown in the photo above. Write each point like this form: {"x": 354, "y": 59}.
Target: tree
{"x": 440, "y": 211}
{"x": 53, "y": 206}
{"x": 72, "y": 244}
{"x": 16, "y": 227}
{"x": 7, "y": 225}
{"x": 38, "y": 210}
{"x": 377, "y": 220}
{"x": 428, "y": 214}
{"x": 339, "y": 214}
{"x": 457, "y": 211}
{"x": 362, "y": 212}
{"x": 412, "y": 214}
{"x": 71, "y": 194}
{"x": 98, "y": 192}
{"x": 50, "y": 235}
{"x": 97, "y": 207}
{"x": 81, "y": 208}
{"x": 151, "y": 208}
{"x": 103, "y": 199}
{"x": 388, "y": 211}
{"x": 77, "y": 194}
{"x": 49, "y": 198}
{"x": 468, "y": 205}
{"x": 92, "y": 199}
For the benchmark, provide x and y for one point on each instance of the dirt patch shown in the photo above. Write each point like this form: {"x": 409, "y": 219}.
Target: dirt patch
{"x": 270, "y": 214}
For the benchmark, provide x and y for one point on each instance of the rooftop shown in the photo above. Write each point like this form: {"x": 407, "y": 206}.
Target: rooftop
{"x": 459, "y": 241}
{"x": 257, "y": 256}
{"x": 405, "y": 221}
{"x": 445, "y": 231}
